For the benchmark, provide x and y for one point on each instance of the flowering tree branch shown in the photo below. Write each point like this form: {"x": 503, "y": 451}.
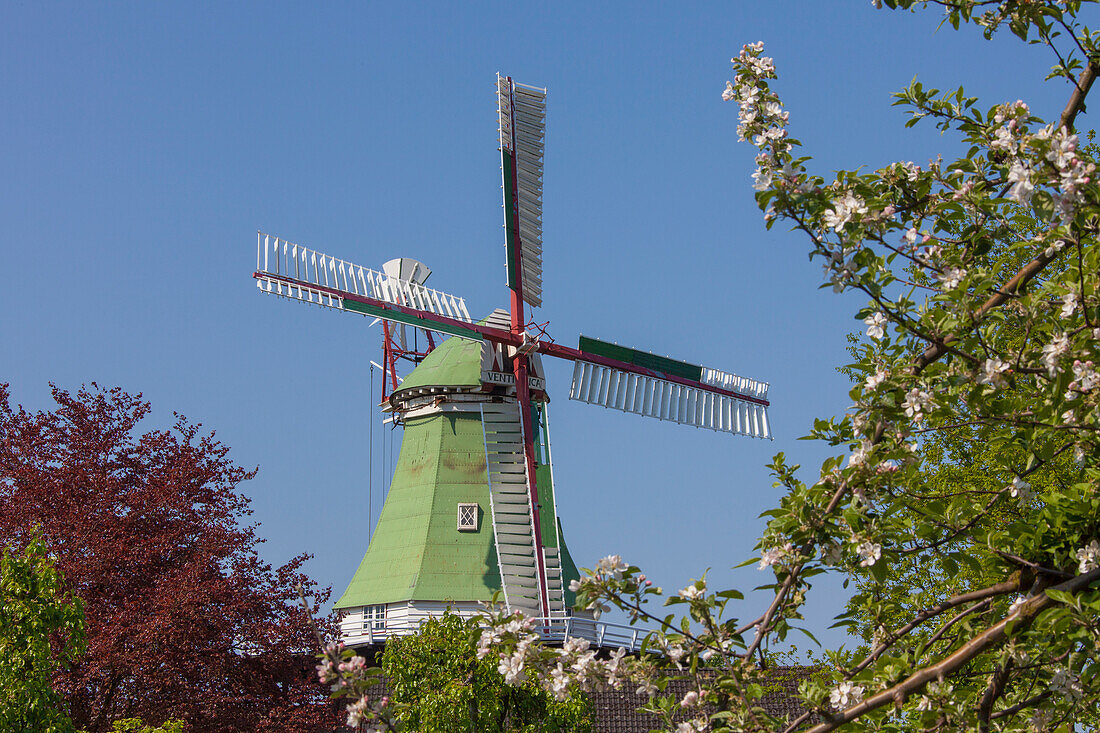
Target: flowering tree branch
{"x": 997, "y": 633}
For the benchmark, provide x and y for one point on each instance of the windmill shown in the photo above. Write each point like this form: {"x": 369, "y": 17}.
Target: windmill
{"x": 475, "y": 413}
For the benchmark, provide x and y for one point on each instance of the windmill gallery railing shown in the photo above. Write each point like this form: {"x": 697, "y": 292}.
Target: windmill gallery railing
{"x": 553, "y": 630}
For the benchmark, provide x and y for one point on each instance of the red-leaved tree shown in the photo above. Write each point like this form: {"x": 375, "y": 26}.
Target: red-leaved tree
{"x": 184, "y": 620}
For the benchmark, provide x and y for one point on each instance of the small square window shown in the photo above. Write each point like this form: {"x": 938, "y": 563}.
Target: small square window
{"x": 467, "y": 517}
{"x": 374, "y": 617}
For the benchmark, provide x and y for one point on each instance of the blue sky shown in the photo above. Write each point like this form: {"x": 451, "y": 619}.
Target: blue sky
{"x": 144, "y": 144}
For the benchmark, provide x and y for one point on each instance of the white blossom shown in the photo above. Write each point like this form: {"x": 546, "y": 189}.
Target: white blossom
{"x": 874, "y": 380}
{"x": 1058, "y": 346}
{"x": 843, "y": 210}
{"x": 1069, "y": 304}
{"x": 1020, "y": 490}
{"x": 693, "y": 592}
{"x": 611, "y": 566}
{"x": 869, "y": 553}
{"x": 646, "y": 687}
{"x": 559, "y": 682}
{"x": 1022, "y": 187}
{"x": 1003, "y": 139}
{"x": 992, "y": 372}
{"x": 1067, "y": 684}
{"x": 1063, "y": 148}
{"x": 511, "y": 666}
{"x": 613, "y": 665}
{"x": 762, "y": 178}
{"x": 1085, "y": 377}
{"x": 1088, "y": 557}
{"x": 773, "y": 555}
{"x": 357, "y": 711}
{"x": 582, "y": 666}
{"x": 691, "y": 699}
{"x": 859, "y": 455}
{"x": 876, "y": 323}
{"x": 917, "y": 404}
{"x": 675, "y": 654}
{"x": 574, "y": 645}
{"x": 845, "y": 695}
{"x": 1041, "y": 719}
{"x": 950, "y": 278}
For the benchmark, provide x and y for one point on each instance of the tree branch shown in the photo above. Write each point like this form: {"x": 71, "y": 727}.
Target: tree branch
{"x": 1080, "y": 90}
{"x": 1025, "y": 613}
{"x": 992, "y": 692}
{"x": 1013, "y": 286}
{"x": 978, "y": 595}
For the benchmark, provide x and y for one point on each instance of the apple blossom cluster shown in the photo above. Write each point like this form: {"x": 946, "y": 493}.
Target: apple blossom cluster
{"x": 1088, "y": 557}
{"x": 845, "y": 695}
{"x": 762, "y": 120}
{"x": 575, "y": 664}
{"x": 917, "y": 404}
{"x": 348, "y": 675}
{"x": 1053, "y": 351}
{"x": 1066, "y": 683}
{"x": 1085, "y": 376}
{"x": 876, "y": 325}
{"x": 775, "y": 555}
{"x": 1020, "y": 490}
{"x": 869, "y": 552}
{"x": 993, "y": 372}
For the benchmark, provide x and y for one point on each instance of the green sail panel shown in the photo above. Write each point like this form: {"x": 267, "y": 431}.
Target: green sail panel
{"x": 511, "y": 236}
{"x": 642, "y": 358}
{"x": 393, "y": 315}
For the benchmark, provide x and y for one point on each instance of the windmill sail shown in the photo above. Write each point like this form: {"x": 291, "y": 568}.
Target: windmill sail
{"x": 297, "y": 272}
{"x": 671, "y": 390}
{"x": 522, "y": 114}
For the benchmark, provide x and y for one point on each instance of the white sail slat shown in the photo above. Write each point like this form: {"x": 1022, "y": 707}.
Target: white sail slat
{"x": 664, "y": 400}
{"x": 278, "y": 261}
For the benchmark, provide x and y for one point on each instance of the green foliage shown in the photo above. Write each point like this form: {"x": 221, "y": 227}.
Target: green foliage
{"x": 137, "y": 725}
{"x": 962, "y": 500}
{"x": 41, "y": 628}
{"x": 440, "y": 686}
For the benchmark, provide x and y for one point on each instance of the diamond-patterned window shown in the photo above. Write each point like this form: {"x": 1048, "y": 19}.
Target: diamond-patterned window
{"x": 467, "y": 517}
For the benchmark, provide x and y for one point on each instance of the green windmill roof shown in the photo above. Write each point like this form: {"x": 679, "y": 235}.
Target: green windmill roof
{"x": 454, "y": 363}
{"x": 417, "y": 552}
